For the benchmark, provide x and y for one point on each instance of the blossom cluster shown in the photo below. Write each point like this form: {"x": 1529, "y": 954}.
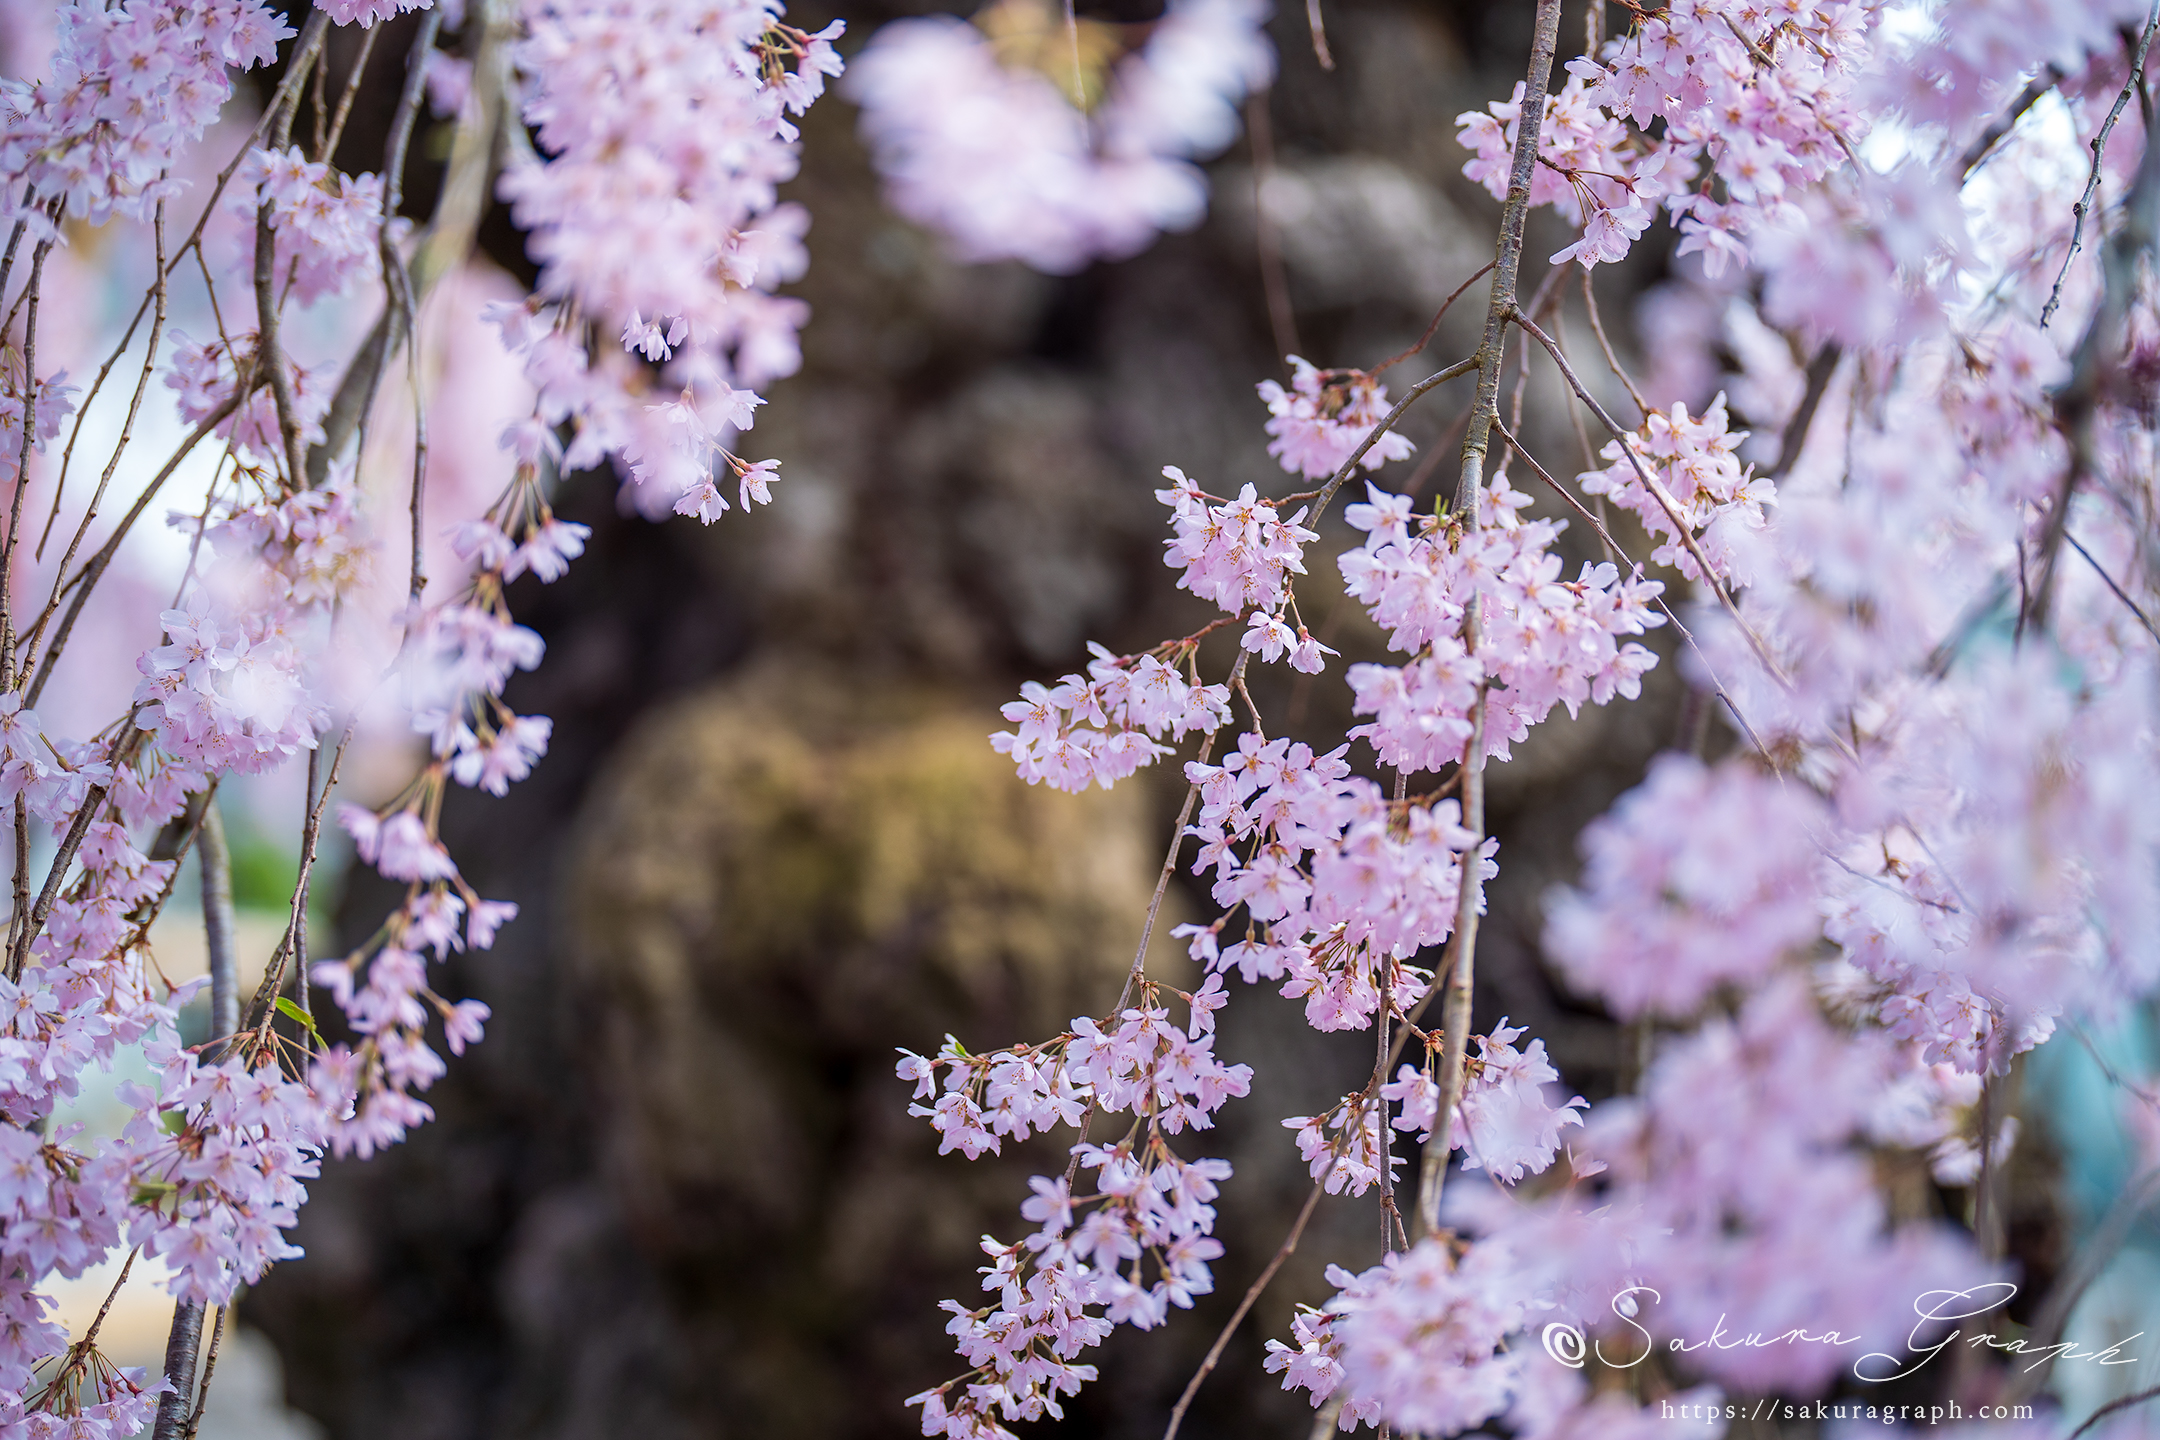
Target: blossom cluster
{"x": 1103, "y": 728}
{"x": 1323, "y": 417}
{"x": 654, "y": 216}
{"x": 207, "y": 375}
{"x": 327, "y": 226}
{"x": 1506, "y": 1123}
{"x": 1759, "y": 98}
{"x": 994, "y": 134}
{"x": 207, "y": 1174}
{"x": 1540, "y": 641}
{"x": 1698, "y": 878}
{"x": 1065, "y": 1287}
{"x": 1708, "y": 501}
{"x": 54, "y": 402}
{"x": 1342, "y": 887}
{"x": 1930, "y": 638}
{"x": 1238, "y": 554}
{"x": 131, "y": 87}
{"x": 1590, "y": 169}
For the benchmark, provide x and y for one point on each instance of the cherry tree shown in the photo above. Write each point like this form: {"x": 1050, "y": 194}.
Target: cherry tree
{"x": 1924, "y": 618}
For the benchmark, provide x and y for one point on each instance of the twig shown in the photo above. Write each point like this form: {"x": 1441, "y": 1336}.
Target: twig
{"x": 352, "y": 88}
{"x": 2079, "y": 398}
{"x": 2101, "y": 571}
{"x": 64, "y": 857}
{"x": 1612, "y": 358}
{"x": 1325, "y": 493}
{"x": 398, "y": 280}
{"x": 22, "y": 466}
{"x": 1319, "y": 35}
{"x": 215, "y": 858}
{"x": 1658, "y": 492}
{"x": 15, "y": 239}
{"x": 1282, "y": 319}
{"x": 292, "y": 949}
{"x": 159, "y": 291}
{"x": 19, "y": 912}
{"x": 93, "y": 569}
{"x": 269, "y": 355}
{"x": 354, "y": 399}
{"x": 321, "y": 97}
{"x": 51, "y": 215}
{"x": 127, "y": 1267}
{"x": 2135, "y": 84}
{"x": 1252, "y": 1294}
{"x": 1426, "y": 339}
{"x": 1154, "y": 909}
{"x": 2111, "y": 1407}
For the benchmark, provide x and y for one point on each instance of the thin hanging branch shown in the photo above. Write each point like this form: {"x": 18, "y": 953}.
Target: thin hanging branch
{"x": 1456, "y": 975}
{"x": 2082, "y": 210}
{"x": 176, "y": 1416}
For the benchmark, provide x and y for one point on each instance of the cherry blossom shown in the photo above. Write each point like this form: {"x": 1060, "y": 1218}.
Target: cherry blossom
{"x": 1323, "y": 416}
{"x": 976, "y": 132}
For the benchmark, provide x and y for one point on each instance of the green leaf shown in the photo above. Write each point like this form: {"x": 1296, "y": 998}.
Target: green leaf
{"x": 294, "y": 1013}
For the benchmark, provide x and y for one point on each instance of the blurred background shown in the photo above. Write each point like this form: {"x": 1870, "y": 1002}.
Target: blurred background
{"x": 676, "y": 1193}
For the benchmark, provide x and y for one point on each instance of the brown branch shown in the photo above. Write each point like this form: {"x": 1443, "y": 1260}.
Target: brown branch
{"x": 19, "y": 912}
{"x": 1456, "y": 974}
{"x": 215, "y": 859}
{"x": 71, "y": 842}
{"x": 292, "y": 948}
{"x": 352, "y": 88}
{"x": 15, "y": 239}
{"x": 2048, "y": 78}
{"x": 269, "y": 354}
{"x": 86, "y": 579}
{"x": 180, "y": 1346}
{"x": 1387, "y": 422}
{"x": 202, "y": 1392}
{"x": 1794, "y": 440}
